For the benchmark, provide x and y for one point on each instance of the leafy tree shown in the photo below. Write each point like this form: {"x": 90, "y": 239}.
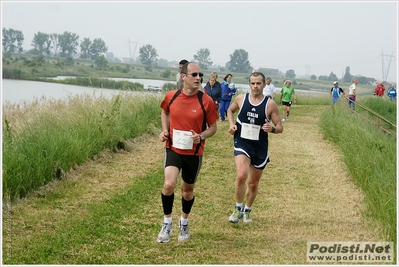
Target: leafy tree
{"x": 12, "y": 40}
{"x": 332, "y": 77}
{"x": 203, "y": 58}
{"x": 239, "y": 61}
{"x": 54, "y": 42}
{"x": 148, "y": 55}
{"x": 323, "y": 78}
{"x": 347, "y": 77}
{"x": 163, "y": 62}
{"x": 109, "y": 56}
{"x": 290, "y": 74}
{"x": 97, "y": 47}
{"x": 85, "y": 48}
{"x": 101, "y": 62}
{"x": 68, "y": 43}
{"x": 42, "y": 43}
{"x": 313, "y": 77}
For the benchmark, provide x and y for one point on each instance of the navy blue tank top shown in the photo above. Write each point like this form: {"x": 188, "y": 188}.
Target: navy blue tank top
{"x": 252, "y": 114}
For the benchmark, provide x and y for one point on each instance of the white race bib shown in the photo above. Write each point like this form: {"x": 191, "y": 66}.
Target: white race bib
{"x": 250, "y": 131}
{"x": 182, "y": 139}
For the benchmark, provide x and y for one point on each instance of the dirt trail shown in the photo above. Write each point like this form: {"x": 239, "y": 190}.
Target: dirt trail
{"x": 305, "y": 193}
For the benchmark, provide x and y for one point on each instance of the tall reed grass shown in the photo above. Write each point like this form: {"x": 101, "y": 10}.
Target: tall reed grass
{"x": 370, "y": 155}
{"x": 45, "y": 138}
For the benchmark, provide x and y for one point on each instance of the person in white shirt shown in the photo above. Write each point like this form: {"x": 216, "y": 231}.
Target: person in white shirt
{"x": 179, "y": 80}
{"x": 352, "y": 94}
{"x": 269, "y": 89}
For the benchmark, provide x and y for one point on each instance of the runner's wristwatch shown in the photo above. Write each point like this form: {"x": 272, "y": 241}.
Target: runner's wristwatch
{"x": 202, "y": 137}
{"x": 273, "y": 130}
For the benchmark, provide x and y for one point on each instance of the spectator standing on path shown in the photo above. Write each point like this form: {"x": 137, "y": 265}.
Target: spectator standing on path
{"x": 251, "y": 129}
{"x": 392, "y": 93}
{"x": 179, "y": 80}
{"x": 287, "y": 97}
{"x": 352, "y": 94}
{"x": 188, "y": 117}
{"x": 228, "y": 90}
{"x": 214, "y": 90}
{"x": 379, "y": 89}
{"x": 336, "y": 93}
{"x": 215, "y": 75}
{"x": 269, "y": 89}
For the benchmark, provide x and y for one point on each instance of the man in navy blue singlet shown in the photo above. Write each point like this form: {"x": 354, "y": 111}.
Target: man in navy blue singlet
{"x": 256, "y": 113}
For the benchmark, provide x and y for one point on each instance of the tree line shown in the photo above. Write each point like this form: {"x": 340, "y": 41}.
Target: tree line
{"x": 67, "y": 44}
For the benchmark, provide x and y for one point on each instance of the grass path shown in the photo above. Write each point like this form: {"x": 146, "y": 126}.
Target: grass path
{"x": 109, "y": 210}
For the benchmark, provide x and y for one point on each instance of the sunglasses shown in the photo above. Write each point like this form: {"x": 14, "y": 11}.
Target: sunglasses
{"x": 194, "y": 74}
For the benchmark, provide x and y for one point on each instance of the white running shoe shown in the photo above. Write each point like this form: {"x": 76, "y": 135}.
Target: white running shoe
{"x": 247, "y": 216}
{"x": 164, "y": 234}
{"x": 184, "y": 233}
{"x": 236, "y": 216}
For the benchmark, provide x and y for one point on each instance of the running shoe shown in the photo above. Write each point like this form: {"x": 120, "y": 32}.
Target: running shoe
{"x": 247, "y": 216}
{"x": 236, "y": 215}
{"x": 164, "y": 234}
{"x": 184, "y": 233}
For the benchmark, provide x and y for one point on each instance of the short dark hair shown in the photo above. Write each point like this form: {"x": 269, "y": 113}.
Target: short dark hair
{"x": 184, "y": 68}
{"x": 256, "y": 74}
{"x": 225, "y": 77}
{"x": 183, "y": 61}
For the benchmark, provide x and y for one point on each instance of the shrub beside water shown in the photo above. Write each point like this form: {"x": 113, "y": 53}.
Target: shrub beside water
{"x": 370, "y": 155}
{"x": 98, "y": 82}
{"x": 46, "y": 138}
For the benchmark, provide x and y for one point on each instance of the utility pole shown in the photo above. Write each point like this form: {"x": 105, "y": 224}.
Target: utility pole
{"x": 307, "y": 70}
{"x": 385, "y": 72}
{"x": 130, "y": 52}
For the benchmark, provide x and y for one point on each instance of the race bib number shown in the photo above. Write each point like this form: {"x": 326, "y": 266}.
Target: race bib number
{"x": 182, "y": 139}
{"x": 250, "y": 131}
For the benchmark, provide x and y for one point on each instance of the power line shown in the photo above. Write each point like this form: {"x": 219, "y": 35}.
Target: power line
{"x": 130, "y": 52}
{"x": 385, "y": 71}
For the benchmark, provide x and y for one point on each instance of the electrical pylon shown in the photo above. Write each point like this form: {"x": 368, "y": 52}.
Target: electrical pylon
{"x": 385, "y": 71}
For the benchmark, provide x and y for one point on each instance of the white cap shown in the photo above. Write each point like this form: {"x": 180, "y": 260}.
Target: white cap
{"x": 335, "y": 82}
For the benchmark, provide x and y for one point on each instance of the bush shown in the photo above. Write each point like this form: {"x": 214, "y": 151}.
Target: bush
{"x": 166, "y": 73}
{"x": 169, "y": 87}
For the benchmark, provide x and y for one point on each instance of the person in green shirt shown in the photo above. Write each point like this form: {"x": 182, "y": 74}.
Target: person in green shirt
{"x": 287, "y": 97}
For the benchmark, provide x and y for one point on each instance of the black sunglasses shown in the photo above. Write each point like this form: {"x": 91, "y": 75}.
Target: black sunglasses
{"x": 194, "y": 74}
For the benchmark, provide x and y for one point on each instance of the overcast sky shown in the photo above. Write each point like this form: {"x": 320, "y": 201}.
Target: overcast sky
{"x": 315, "y": 37}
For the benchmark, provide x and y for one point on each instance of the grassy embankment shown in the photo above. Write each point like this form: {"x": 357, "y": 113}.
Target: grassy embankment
{"x": 45, "y": 140}
{"x": 370, "y": 155}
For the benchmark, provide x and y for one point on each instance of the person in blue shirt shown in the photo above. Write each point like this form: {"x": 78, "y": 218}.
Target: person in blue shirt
{"x": 336, "y": 93}
{"x": 213, "y": 89}
{"x": 228, "y": 90}
{"x": 392, "y": 93}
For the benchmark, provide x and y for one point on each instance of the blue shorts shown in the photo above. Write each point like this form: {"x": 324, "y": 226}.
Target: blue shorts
{"x": 334, "y": 100}
{"x": 259, "y": 158}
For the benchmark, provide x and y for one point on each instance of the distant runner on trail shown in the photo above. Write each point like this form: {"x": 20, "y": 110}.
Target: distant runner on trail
{"x": 287, "y": 97}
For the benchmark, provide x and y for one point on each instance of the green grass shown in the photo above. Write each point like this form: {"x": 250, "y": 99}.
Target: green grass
{"x": 370, "y": 155}
{"x": 50, "y": 138}
{"x": 118, "y": 227}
